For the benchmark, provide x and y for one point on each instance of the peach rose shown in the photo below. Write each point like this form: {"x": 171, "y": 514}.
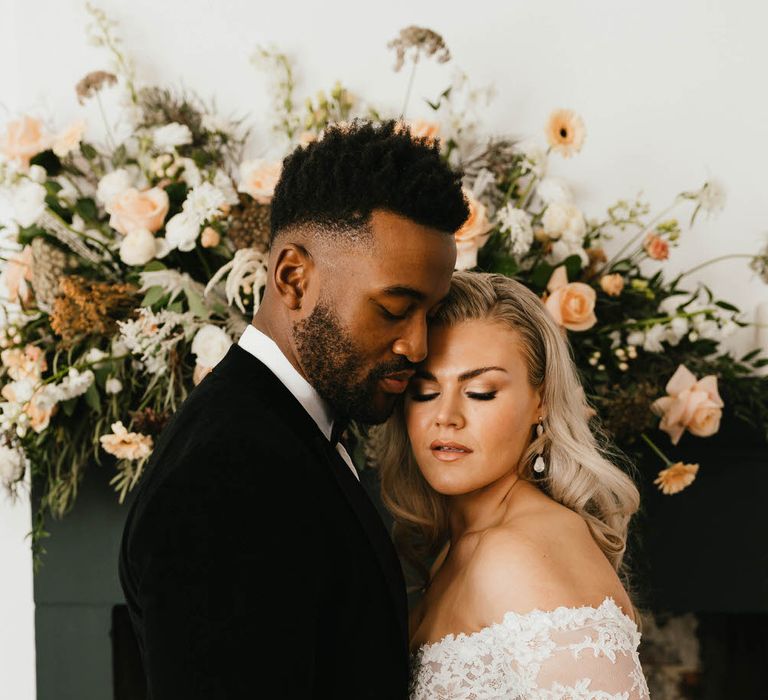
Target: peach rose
{"x": 656, "y": 247}
{"x": 421, "y": 129}
{"x": 690, "y": 404}
{"x": 571, "y": 304}
{"x": 133, "y": 210}
{"x": 24, "y": 139}
{"x": 612, "y": 285}
{"x": 473, "y": 234}
{"x": 258, "y": 178}
{"x": 26, "y": 363}
{"x": 125, "y": 445}
{"x": 17, "y": 276}
{"x": 69, "y": 139}
{"x": 199, "y": 374}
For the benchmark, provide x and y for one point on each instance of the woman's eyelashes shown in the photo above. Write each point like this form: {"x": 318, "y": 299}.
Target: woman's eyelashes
{"x": 477, "y": 396}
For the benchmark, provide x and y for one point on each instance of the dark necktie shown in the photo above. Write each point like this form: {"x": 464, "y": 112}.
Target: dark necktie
{"x": 339, "y": 426}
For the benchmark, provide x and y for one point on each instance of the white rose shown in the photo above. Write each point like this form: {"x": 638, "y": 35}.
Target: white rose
{"x": 28, "y": 202}
{"x": 565, "y": 221}
{"x": 138, "y": 247}
{"x": 113, "y": 385}
{"x": 553, "y": 190}
{"x": 12, "y": 464}
{"x": 112, "y": 185}
{"x": 210, "y": 345}
{"x": 171, "y": 135}
{"x": 182, "y": 231}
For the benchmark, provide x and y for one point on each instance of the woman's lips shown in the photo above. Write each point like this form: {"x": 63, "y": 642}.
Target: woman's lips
{"x": 448, "y": 451}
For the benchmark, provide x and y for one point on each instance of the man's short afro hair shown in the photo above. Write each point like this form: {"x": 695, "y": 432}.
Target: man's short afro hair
{"x": 360, "y": 166}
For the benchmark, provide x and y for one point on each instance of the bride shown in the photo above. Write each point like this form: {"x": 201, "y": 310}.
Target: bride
{"x": 489, "y": 462}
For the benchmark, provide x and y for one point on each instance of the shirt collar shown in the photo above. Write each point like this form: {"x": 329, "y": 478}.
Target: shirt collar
{"x": 265, "y": 349}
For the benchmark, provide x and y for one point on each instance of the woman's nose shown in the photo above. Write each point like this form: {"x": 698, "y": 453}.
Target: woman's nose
{"x": 449, "y": 412}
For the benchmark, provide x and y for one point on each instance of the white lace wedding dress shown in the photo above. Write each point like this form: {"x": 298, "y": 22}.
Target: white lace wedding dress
{"x": 581, "y": 653}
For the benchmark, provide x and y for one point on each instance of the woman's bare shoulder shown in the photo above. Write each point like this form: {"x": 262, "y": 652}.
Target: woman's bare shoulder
{"x": 545, "y": 562}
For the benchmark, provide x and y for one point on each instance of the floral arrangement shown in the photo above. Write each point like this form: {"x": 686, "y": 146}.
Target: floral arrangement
{"x": 131, "y": 266}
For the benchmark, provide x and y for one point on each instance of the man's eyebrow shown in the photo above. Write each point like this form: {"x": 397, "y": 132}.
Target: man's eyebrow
{"x": 464, "y": 376}
{"x": 403, "y": 291}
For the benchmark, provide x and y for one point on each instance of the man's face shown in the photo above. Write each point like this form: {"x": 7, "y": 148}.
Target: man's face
{"x": 370, "y": 318}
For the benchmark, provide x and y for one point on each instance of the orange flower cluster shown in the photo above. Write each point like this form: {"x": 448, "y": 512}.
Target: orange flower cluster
{"x": 88, "y": 307}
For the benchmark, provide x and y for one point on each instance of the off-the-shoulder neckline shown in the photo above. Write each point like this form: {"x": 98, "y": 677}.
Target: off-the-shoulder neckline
{"x": 608, "y": 605}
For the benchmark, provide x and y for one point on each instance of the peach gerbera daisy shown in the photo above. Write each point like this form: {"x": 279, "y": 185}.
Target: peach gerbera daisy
{"x": 565, "y": 132}
{"x": 675, "y": 478}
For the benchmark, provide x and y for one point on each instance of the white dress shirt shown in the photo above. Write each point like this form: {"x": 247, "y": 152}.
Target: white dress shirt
{"x": 265, "y": 349}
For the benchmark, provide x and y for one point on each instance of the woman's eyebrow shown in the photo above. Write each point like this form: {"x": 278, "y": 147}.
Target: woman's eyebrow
{"x": 464, "y": 376}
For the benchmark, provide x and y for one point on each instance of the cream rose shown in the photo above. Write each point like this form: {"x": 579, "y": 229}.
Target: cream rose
{"x": 571, "y": 304}
{"x": 138, "y": 247}
{"x": 69, "y": 139}
{"x": 16, "y": 276}
{"x": 473, "y": 234}
{"x": 24, "y": 139}
{"x": 41, "y": 407}
{"x": 690, "y": 404}
{"x": 564, "y": 220}
{"x": 210, "y": 345}
{"x": 258, "y": 178}
{"x": 134, "y": 210}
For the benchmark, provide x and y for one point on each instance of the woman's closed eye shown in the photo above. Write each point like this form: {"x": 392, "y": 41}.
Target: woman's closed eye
{"x": 477, "y": 396}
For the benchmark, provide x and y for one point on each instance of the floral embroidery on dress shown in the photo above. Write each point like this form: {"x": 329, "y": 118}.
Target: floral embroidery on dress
{"x": 583, "y": 653}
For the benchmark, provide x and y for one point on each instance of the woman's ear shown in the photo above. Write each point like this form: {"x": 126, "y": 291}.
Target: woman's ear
{"x": 292, "y": 272}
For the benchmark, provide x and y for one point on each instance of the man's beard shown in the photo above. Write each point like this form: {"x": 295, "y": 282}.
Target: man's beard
{"x": 334, "y": 367}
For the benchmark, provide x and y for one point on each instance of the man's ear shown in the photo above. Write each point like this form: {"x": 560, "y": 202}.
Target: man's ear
{"x": 292, "y": 271}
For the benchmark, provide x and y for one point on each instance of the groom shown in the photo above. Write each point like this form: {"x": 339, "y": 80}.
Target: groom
{"x": 253, "y": 563}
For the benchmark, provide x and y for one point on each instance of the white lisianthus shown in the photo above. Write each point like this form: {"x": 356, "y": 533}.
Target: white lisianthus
{"x": 182, "y": 231}
{"x": 224, "y": 183}
{"x": 210, "y": 345}
{"x": 138, "y": 247}
{"x": 712, "y": 196}
{"x": 535, "y": 156}
{"x": 562, "y": 220}
{"x": 171, "y": 135}
{"x": 112, "y": 185}
{"x": 728, "y": 329}
{"x": 13, "y": 463}
{"x": 95, "y": 356}
{"x": 27, "y": 201}
{"x": 707, "y": 328}
{"x": 517, "y": 223}
{"x": 554, "y": 190}
{"x": 677, "y": 330}
{"x": 67, "y": 194}
{"x": 203, "y": 202}
{"x": 162, "y": 248}
{"x": 113, "y": 385}
{"x": 563, "y": 249}
{"x": 191, "y": 173}
{"x": 37, "y": 174}
{"x": 654, "y": 338}
{"x": 635, "y": 338}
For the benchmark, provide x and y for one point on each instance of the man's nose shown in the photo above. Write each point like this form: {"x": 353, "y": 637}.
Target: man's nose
{"x": 413, "y": 344}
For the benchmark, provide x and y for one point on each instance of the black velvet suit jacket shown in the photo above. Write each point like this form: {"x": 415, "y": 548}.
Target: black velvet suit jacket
{"x": 253, "y": 562}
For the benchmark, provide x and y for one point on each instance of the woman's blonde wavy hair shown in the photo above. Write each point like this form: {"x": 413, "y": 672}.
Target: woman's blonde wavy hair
{"x": 579, "y": 472}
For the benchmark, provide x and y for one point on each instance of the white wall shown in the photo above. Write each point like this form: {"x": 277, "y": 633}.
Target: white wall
{"x": 671, "y": 93}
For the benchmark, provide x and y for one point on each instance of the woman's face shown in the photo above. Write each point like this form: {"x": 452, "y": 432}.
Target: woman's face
{"x": 472, "y": 390}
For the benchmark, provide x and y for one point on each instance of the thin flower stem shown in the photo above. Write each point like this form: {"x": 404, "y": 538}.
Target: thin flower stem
{"x": 410, "y": 85}
{"x": 110, "y": 137}
{"x": 714, "y": 260}
{"x": 664, "y": 457}
{"x": 645, "y": 229}
{"x": 654, "y": 321}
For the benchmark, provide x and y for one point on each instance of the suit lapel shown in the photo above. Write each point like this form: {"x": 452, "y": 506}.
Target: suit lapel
{"x": 374, "y": 528}
{"x": 242, "y": 368}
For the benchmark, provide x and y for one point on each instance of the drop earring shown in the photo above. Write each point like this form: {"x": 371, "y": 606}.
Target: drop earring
{"x": 539, "y": 465}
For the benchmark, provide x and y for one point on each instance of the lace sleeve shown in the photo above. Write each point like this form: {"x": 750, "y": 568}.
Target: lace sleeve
{"x": 596, "y": 662}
